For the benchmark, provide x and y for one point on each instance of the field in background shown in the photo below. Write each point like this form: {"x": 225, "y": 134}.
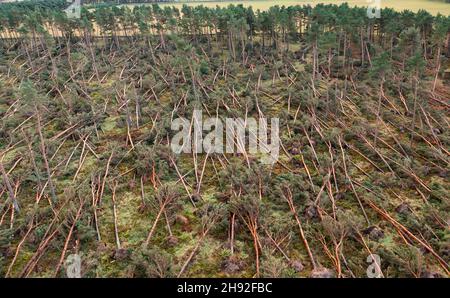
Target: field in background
{"x": 431, "y": 6}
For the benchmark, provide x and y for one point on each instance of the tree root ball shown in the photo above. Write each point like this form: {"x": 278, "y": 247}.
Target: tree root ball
{"x": 232, "y": 265}
{"x": 172, "y": 241}
{"x": 322, "y": 273}
{"x": 121, "y": 254}
{"x": 297, "y": 265}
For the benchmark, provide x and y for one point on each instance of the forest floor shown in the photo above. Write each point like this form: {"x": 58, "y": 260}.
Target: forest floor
{"x": 403, "y": 188}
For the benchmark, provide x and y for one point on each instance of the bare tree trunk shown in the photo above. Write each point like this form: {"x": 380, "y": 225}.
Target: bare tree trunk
{"x": 116, "y": 231}
{"x": 44, "y": 156}
{"x": 413, "y": 124}
{"x": 378, "y": 111}
{"x": 438, "y": 67}
{"x": 9, "y": 187}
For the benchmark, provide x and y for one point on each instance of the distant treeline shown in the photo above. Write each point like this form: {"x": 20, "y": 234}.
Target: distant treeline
{"x": 126, "y": 1}
{"x": 31, "y": 5}
{"x": 277, "y": 25}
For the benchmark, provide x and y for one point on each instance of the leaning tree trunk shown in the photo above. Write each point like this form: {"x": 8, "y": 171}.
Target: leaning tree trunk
{"x": 44, "y": 156}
